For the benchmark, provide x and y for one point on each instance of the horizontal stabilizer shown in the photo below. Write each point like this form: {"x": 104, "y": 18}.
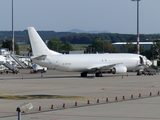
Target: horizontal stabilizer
{"x": 42, "y": 57}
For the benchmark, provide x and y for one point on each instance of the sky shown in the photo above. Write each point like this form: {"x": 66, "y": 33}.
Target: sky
{"x": 115, "y": 16}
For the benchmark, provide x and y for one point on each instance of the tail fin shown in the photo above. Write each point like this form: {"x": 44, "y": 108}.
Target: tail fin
{"x": 37, "y": 44}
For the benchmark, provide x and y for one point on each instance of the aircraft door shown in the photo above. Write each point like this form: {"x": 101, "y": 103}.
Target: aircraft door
{"x": 141, "y": 60}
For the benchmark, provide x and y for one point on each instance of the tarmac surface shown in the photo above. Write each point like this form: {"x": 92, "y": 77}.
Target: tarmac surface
{"x": 112, "y": 97}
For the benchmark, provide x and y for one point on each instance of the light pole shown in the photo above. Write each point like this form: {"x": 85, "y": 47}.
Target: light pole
{"x": 12, "y": 31}
{"x": 23, "y": 108}
{"x": 138, "y": 37}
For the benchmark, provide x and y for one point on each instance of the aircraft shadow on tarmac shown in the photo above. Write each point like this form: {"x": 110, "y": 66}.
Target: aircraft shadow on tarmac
{"x": 88, "y": 77}
{"x": 25, "y": 76}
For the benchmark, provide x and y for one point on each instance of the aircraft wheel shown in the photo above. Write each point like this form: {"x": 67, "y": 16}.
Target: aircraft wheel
{"x": 98, "y": 74}
{"x": 84, "y": 74}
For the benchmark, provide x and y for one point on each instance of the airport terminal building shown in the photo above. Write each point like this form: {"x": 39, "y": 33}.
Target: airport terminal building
{"x": 147, "y": 45}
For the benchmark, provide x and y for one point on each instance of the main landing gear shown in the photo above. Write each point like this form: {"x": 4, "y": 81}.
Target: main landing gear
{"x": 84, "y": 74}
{"x": 97, "y": 74}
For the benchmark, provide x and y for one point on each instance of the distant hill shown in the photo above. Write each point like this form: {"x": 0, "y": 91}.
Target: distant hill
{"x": 92, "y": 31}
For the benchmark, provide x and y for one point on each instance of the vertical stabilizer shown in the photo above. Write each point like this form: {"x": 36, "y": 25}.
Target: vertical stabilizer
{"x": 37, "y": 44}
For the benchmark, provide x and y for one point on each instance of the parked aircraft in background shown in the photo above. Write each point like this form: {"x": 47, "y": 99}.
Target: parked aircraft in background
{"x": 85, "y": 63}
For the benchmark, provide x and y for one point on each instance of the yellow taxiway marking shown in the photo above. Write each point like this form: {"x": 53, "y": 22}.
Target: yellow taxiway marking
{"x": 4, "y": 93}
{"x": 24, "y": 97}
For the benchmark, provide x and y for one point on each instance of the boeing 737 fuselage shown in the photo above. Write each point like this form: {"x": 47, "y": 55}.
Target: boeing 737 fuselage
{"x": 85, "y": 63}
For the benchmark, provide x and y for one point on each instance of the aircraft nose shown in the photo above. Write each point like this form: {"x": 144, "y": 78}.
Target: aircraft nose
{"x": 149, "y": 63}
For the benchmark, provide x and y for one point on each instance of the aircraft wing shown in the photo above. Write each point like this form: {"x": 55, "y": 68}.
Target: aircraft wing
{"x": 41, "y": 57}
{"x": 102, "y": 67}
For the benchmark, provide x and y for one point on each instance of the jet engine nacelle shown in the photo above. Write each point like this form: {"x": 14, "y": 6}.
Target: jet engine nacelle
{"x": 119, "y": 69}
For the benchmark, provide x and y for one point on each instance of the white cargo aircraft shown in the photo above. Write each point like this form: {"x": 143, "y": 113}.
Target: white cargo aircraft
{"x": 84, "y": 63}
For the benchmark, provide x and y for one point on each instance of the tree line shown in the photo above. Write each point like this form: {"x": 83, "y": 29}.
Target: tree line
{"x": 63, "y": 41}
{"x": 21, "y": 36}
{"x": 77, "y": 38}
{"x": 112, "y": 38}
